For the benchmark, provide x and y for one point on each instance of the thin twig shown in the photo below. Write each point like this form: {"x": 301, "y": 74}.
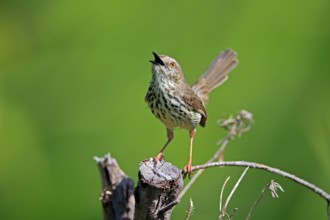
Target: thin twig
{"x": 236, "y": 127}
{"x": 223, "y": 145}
{"x": 190, "y": 209}
{"x": 233, "y": 213}
{"x": 223, "y": 210}
{"x": 272, "y": 187}
{"x": 222, "y": 189}
{"x": 257, "y": 201}
{"x": 254, "y": 165}
{"x": 167, "y": 207}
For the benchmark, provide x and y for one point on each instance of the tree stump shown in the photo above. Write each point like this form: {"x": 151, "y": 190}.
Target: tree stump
{"x": 158, "y": 187}
{"x": 154, "y": 197}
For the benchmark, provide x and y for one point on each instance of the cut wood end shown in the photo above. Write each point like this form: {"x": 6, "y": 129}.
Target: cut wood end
{"x": 156, "y": 173}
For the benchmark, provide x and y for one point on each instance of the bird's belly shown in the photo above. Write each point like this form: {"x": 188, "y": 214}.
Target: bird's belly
{"x": 173, "y": 114}
{"x": 188, "y": 122}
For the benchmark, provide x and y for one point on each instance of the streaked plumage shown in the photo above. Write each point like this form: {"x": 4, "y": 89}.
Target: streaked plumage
{"x": 175, "y": 103}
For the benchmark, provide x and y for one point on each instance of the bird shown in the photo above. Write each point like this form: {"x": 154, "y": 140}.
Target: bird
{"x": 178, "y": 105}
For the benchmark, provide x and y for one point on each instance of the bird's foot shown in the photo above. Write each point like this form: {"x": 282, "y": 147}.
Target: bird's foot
{"x": 159, "y": 157}
{"x": 187, "y": 170}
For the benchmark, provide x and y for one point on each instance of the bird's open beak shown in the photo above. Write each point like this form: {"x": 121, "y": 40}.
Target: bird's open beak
{"x": 157, "y": 60}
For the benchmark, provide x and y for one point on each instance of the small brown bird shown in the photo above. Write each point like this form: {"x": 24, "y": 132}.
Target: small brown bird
{"x": 175, "y": 103}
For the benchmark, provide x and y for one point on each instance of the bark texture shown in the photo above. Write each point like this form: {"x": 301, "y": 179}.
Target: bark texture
{"x": 158, "y": 187}
{"x": 117, "y": 196}
{"x": 154, "y": 197}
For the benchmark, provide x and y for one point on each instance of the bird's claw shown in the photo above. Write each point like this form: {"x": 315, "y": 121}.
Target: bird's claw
{"x": 159, "y": 157}
{"x": 187, "y": 170}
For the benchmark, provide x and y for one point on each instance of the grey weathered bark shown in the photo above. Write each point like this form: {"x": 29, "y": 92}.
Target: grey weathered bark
{"x": 158, "y": 187}
{"x": 117, "y": 196}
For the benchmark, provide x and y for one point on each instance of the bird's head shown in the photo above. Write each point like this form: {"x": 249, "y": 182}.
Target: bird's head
{"x": 166, "y": 67}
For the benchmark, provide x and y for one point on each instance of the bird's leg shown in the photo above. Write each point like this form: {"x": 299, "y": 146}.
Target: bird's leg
{"x": 170, "y": 136}
{"x": 188, "y": 168}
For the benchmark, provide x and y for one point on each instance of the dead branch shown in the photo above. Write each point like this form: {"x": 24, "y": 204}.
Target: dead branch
{"x": 160, "y": 182}
{"x": 254, "y": 165}
{"x": 118, "y": 189}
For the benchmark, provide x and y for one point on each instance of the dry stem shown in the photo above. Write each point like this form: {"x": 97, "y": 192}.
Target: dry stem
{"x": 222, "y": 189}
{"x": 254, "y": 165}
{"x": 223, "y": 210}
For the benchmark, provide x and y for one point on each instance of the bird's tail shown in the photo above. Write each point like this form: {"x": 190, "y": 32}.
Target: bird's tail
{"x": 216, "y": 74}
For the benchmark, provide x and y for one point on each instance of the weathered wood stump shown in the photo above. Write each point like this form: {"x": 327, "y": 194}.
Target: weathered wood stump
{"x": 117, "y": 196}
{"x": 154, "y": 197}
{"x": 158, "y": 187}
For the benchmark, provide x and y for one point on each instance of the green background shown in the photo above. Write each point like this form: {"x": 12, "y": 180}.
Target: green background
{"x": 73, "y": 75}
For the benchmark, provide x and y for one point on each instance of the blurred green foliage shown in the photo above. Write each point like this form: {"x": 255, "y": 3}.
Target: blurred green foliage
{"x": 73, "y": 75}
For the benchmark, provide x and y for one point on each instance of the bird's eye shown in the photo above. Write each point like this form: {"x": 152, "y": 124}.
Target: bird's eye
{"x": 172, "y": 64}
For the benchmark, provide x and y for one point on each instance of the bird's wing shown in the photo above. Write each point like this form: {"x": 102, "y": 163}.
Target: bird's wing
{"x": 216, "y": 74}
